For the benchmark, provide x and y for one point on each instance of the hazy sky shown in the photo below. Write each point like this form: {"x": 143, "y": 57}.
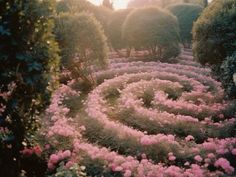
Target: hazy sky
{"x": 118, "y": 4}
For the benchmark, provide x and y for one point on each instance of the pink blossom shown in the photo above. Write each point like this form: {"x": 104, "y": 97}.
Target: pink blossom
{"x": 233, "y": 151}
{"x": 198, "y": 158}
{"x": 54, "y": 158}
{"x": 224, "y": 163}
{"x": 127, "y": 173}
{"x": 189, "y": 138}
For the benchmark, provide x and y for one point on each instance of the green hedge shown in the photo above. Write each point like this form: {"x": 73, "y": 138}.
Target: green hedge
{"x": 152, "y": 29}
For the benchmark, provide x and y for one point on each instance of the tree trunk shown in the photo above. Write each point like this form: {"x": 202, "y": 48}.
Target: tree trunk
{"x": 205, "y": 3}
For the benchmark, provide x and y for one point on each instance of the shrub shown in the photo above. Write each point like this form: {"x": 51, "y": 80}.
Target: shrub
{"x": 152, "y": 29}
{"x": 115, "y": 28}
{"x": 213, "y": 43}
{"x": 213, "y": 32}
{"x": 186, "y": 14}
{"x": 29, "y": 63}
{"x": 228, "y": 69}
{"x": 74, "y": 6}
{"x": 82, "y": 42}
{"x": 101, "y": 13}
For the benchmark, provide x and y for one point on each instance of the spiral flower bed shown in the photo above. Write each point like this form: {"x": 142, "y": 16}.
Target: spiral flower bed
{"x": 151, "y": 119}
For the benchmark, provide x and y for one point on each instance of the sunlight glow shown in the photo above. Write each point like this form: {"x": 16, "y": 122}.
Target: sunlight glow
{"x": 118, "y": 4}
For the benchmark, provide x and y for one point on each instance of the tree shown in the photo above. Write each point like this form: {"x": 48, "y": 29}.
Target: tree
{"x": 161, "y": 3}
{"x": 101, "y": 13}
{"x": 145, "y": 3}
{"x": 213, "y": 43}
{"x": 29, "y": 65}
{"x": 228, "y": 69}
{"x": 205, "y": 3}
{"x": 115, "y": 28}
{"x": 82, "y": 43}
{"x": 152, "y": 29}
{"x": 186, "y": 14}
{"x": 108, "y": 4}
{"x": 213, "y": 32}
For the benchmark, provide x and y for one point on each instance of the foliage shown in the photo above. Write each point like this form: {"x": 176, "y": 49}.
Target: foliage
{"x": 102, "y": 13}
{"x": 186, "y": 14}
{"x": 108, "y": 4}
{"x": 73, "y": 171}
{"x": 213, "y": 32}
{"x": 74, "y": 6}
{"x": 162, "y": 3}
{"x": 152, "y": 29}
{"x": 212, "y": 41}
{"x": 115, "y": 28}
{"x": 74, "y": 34}
{"x": 29, "y": 65}
{"x": 228, "y": 69}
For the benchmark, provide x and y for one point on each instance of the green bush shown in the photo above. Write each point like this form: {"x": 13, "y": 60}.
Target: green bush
{"x": 186, "y": 14}
{"x": 29, "y": 63}
{"x": 162, "y": 3}
{"x": 101, "y": 13}
{"x": 228, "y": 69}
{"x": 115, "y": 28}
{"x": 74, "y": 6}
{"x": 213, "y": 41}
{"x": 152, "y": 29}
{"x": 82, "y": 42}
{"x": 214, "y": 31}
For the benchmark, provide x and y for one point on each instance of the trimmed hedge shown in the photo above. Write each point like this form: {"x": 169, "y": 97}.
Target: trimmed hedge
{"x": 152, "y": 29}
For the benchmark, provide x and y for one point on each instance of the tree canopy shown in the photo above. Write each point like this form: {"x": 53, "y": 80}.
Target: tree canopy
{"x": 186, "y": 14}
{"x": 152, "y": 29}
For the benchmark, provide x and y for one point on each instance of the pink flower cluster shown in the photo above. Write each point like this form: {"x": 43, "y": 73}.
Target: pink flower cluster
{"x": 54, "y": 159}
{"x": 30, "y": 151}
{"x": 224, "y": 163}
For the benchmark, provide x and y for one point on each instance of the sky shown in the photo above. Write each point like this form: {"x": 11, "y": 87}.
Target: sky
{"x": 117, "y": 4}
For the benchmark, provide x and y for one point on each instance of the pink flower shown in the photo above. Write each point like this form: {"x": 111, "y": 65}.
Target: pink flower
{"x": 54, "y": 158}
{"x": 69, "y": 164}
{"x": 221, "y": 116}
{"x": 224, "y": 163}
{"x": 234, "y": 151}
{"x": 198, "y": 158}
{"x": 50, "y": 166}
{"x": 118, "y": 168}
{"x": 47, "y": 146}
{"x": 171, "y": 158}
{"x": 127, "y": 173}
{"x": 27, "y": 152}
{"x": 189, "y": 138}
{"x": 211, "y": 155}
{"x": 37, "y": 150}
{"x": 66, "y": 154}
{"x": 144, "y": 156}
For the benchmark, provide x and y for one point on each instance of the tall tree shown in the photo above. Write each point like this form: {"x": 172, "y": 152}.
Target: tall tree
{"x": 108, "y": 4}
{"x": 29, "y": 62}
{"x": 205, "y": 3}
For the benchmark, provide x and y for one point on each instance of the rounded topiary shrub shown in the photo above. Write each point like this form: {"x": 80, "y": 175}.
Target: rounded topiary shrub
{"x": 214, "y": 33}
{"x": 101, "y": 13}
{"x": 228, "y": 71}
{"x": 152, "y": 29}
{"x": 115, "y": 28}
{"x": 81, "y": 35}
{"x": 82, "y": 43}
{"x": 186, "y": 14}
